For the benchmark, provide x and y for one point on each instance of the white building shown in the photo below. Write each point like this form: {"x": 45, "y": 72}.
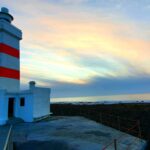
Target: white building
{"x": 28, "y": 105}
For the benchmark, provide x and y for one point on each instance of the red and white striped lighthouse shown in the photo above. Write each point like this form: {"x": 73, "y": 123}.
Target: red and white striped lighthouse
{"x": 9, "y": 53}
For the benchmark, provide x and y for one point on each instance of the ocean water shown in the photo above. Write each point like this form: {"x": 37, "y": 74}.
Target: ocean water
{"x": 105, "y": 99}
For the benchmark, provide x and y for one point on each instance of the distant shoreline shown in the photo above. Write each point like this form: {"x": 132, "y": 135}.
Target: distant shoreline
{"x": 104, "y": 102}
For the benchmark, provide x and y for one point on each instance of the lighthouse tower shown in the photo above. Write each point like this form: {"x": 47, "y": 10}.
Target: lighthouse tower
{"x": 9, "y": 53}
{"x": 29, "y": 105}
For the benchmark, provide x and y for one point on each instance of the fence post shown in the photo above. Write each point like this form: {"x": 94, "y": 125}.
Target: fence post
{"x": 80, "y": 112}
{"x": 61, "y": 112}
{"x": 100, "y": 117}
{"x": 115, "y": 144}
{"x": 139, "y": 128}
{"x": 118, "y": 118}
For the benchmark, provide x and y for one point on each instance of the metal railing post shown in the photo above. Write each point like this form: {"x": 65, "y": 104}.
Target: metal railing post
{"x": 118, "y": 122}
{"x": 8, "y": 144}
{"x": 115, "y": 144}
{"x": 101, "y": 118}
{"x": 139, "y": 128}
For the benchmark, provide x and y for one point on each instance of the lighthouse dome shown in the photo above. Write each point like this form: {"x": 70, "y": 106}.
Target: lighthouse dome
{"x": 4, "y": 15}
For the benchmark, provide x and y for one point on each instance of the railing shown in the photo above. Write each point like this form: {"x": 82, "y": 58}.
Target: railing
{"x": 116, "y": 141}
{"x": 8, "y": 143}
{"x": 129, "y": 126}
{"x": 114, "y": 121}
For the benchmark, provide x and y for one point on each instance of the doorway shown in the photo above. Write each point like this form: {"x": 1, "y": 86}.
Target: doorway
{"x": 11, "y": 107}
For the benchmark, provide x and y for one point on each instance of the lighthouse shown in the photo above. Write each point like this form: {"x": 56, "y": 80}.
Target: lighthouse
{"x": 31, "y": 104}
{"x": 10, "y": 37}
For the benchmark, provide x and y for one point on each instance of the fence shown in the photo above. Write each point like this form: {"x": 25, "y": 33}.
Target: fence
{"x": 114, "y": 121}
{"x": 116, "y": 141}
{"x": 126, "y": 125}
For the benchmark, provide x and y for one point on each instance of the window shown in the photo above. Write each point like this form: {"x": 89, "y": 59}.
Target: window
{"x": 22, "y": 101}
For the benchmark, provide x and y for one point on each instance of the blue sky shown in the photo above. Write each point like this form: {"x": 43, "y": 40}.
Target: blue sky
{"x": 84, "y": 47}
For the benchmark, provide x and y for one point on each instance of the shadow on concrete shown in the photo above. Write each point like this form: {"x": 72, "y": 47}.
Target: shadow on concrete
{"x": 43, "y": 145}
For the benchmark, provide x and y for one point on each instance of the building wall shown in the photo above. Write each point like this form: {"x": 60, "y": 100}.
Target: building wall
{"x": 24, "y": 112}
{"x": 41, "y": 106}
{"x": 3, "y": 107}
{"x": 37, "y": 104}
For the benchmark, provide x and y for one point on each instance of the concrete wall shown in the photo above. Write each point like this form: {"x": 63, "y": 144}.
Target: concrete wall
{"x": 37, "y": 104}
{"x": 41, "y": 105}
{"x": 24, "y": 112}
{"x": 3, "y": 107}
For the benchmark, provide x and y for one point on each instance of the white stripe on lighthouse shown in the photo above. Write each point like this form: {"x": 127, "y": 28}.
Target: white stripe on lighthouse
{"x": 10, "y": 41}
{"x": 12, "y": 85}
{"x": 9, "y": 62}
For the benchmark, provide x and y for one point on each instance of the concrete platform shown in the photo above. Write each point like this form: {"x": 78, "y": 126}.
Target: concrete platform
{"x": 3, "y": 135}
{"x": 71, "y": 133}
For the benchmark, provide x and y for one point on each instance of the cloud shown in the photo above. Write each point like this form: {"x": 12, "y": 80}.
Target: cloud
{"x": 103, "y": 87}
{"x": 68, "y": 42}
{"x": 74, "y": 2}
{"x": 72, "y": 42}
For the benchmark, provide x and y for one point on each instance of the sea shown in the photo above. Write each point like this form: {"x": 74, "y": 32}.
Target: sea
{"x": 107, "y": 99}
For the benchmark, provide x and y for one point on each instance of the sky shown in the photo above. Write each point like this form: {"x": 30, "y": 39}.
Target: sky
{"x": 84, "y": 47}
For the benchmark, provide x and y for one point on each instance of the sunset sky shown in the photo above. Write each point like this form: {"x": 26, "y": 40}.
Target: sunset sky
{"x": 84, "y": 47}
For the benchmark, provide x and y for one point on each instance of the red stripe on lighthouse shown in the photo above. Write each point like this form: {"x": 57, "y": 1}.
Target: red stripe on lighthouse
{"x": 9, "y": 73}
{"x": 9, "y": 50}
